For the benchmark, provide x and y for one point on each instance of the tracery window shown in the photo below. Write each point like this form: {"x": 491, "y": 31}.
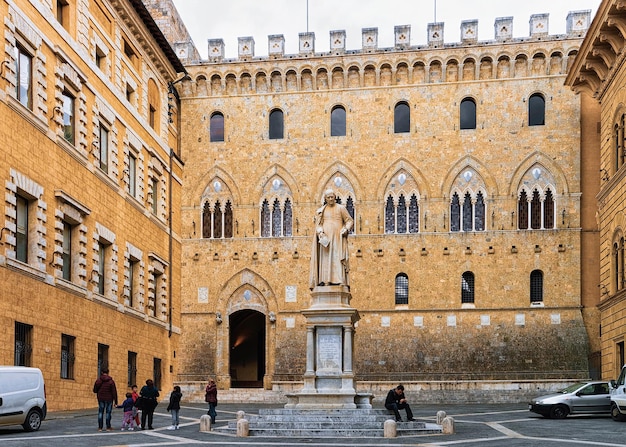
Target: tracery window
{"x": 217, "y": 220}
{"x": 468, "y": 215}
{"x": 536, "y": 212}
{"x": 277, "y": 220}
{"x": 619, "y": 135}
{"x": 401, "y": 216}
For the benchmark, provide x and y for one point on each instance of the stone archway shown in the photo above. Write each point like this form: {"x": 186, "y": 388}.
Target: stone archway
{"x": 247, "y": 346}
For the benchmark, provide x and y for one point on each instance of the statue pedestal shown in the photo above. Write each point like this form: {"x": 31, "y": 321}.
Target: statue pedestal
{"x": 329, "y": 379}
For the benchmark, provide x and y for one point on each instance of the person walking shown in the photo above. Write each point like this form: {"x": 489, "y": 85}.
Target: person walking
{"x": 105, "y": 390}
{"x": 210, "y": 397}
{"x": 148, "y": 395}
{"x": 128, "y": 420}
{"x": 174, "y": 407}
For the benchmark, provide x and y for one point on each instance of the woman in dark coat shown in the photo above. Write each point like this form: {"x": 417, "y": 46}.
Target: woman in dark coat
{"x": 211, "y": 398}
{"x": 148, "y": 395}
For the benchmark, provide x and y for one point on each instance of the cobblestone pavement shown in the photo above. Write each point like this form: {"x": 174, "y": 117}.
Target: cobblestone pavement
{"x": 510, "y": 425}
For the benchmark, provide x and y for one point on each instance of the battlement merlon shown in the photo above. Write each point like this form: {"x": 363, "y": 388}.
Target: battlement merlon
{"x": 577, "y": 23}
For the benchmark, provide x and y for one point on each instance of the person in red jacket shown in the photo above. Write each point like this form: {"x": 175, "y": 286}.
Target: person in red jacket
{"x": 106, "y": 391}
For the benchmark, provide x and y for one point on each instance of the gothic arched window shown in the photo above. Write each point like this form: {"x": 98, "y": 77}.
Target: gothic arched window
{"x": 468, "y": 114}
{"x": 277, "y": 125}
{"x": 338, "y": 122}
{"x": 536, "y": 110}
{"x": 402, "y": 118}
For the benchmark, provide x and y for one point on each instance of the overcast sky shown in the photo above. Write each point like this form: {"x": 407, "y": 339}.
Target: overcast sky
{"x": 230, "y": 19}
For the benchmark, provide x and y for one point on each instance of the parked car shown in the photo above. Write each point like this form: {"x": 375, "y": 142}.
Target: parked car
{"x": 618, "y": 397}
{"x": 585, "y": 397}
{"x": 22, "y": 397}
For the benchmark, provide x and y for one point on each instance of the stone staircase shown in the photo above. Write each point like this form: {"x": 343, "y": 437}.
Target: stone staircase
{"x": 326, "y": 423}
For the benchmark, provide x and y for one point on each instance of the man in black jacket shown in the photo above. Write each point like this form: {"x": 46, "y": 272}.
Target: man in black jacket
{"x": 397, "y": 401}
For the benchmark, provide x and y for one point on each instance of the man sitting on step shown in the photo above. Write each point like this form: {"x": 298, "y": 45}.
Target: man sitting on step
{"x": 397, "y": 401}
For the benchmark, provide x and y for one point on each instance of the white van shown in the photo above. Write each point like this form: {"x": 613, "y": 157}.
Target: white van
{"x": 22, "y": 397}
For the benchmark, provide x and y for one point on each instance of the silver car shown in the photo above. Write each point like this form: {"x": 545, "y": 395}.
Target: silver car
{"x": 586, "y": 397}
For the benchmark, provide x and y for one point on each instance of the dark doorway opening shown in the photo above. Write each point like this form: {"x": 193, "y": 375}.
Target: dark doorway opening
{"x": 247, "y": 349}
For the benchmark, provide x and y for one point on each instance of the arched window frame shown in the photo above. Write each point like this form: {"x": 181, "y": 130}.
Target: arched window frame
{"x": 467, "y": 114}
{"x": 402, "y": 117}
{"x": 402, "y": 289}
{"x": 217, "y": 219}
{"x": 276, "y": 217}
{"x": 468, "y": 211}
{"x": 338, "y": 121}
{"x": 276, "y": 125}
{"x": 216, "y": 127}
{"x": 536, "y": 287}
{"x": 536, "y": 208}
{"x": 468, "y": 288}
{"x": 536, "y": 110}
{"x": 402, "y": 213}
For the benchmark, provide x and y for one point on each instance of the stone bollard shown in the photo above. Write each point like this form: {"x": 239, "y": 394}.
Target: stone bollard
{"x": 241, "y": 414}
{"x": 440, "y": 417}
{"x": 447, "y": 425}
{"x": 390, "y": 429}
{"x": 243, "y": 428}
{"x": 205, "y": 423}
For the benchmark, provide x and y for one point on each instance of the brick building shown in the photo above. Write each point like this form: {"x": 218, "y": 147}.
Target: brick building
{"x": 599, "y": 73}
{"x": 475, "y": 248}
{"x": 91, "y": 169}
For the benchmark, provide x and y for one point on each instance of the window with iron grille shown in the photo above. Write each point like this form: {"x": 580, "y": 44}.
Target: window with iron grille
{"x": 402, "y": 288}
{"x": 23, "y": 344}
{"x": 536, "y": 286}
{"x": 67, "y": 356}
{"x": 467, "y": 287}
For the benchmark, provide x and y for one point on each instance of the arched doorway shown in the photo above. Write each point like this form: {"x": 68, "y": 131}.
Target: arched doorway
{"x": 247, "y": 349}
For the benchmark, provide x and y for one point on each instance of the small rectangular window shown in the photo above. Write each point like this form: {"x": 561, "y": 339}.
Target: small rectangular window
{"x": 24, "y": 77}
{"x": 154, "y": 189}
{"x": 100, "y": 58}
{"x": 104, "y": 148}
{"x": 63, "y": 13}
{"x": 103, "y": 250}
{"x": 66, "y": 256}
{"x": 132, "y": 173}
{"x": 133, "y": 277}
{"x": 157, "y": 373}
{"x": 132, "y": 368}
{"x": 23, "y": 344}
{"x": 21, "y": 231}
{"x": 69, "y": 117}
{"x": 103, "y": 358}
{"x": 152, "y": 116}
{"x": 67, "y": 356}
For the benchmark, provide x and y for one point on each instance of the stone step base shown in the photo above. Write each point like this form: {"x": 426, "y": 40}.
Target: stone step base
{"x": 330, "y": 423}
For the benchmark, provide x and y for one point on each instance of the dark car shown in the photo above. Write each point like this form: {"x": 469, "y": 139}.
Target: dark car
{"x": 584, "y": 397}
